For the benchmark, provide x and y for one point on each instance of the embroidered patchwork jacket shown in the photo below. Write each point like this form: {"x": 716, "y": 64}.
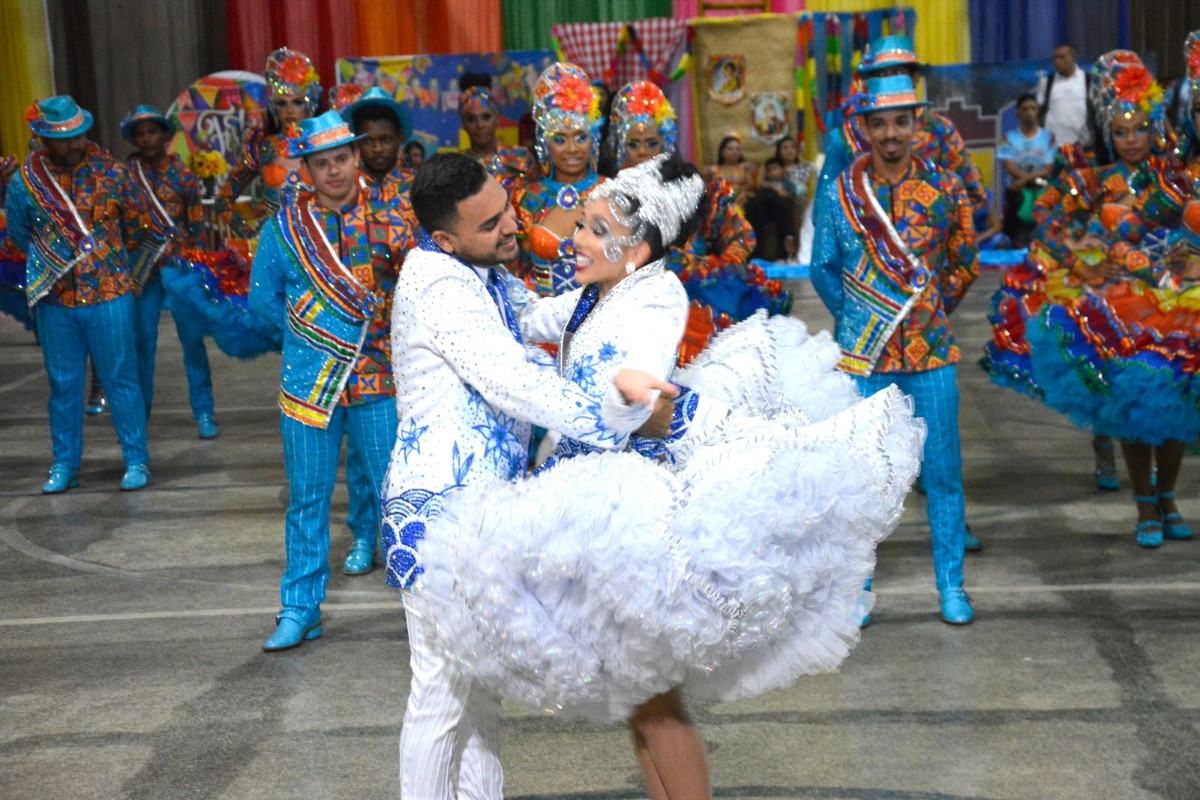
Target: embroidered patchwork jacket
{"x": 891, "y": 261}
{"x": 467, "y": 391}
{"x": 172, "y": 193}
{"x": 326, "y": 277}
{"x": 77, "y": 227}
{"x": 935, "y": 139}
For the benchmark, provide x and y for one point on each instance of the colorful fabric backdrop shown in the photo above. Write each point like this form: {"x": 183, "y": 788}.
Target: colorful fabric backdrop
{"x": 428, "y": 85}
{"x": 798, "y": 65}
{"x": 594, "y": 46}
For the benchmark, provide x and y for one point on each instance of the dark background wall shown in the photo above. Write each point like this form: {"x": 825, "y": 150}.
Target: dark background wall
{"x": 113, "y": 55}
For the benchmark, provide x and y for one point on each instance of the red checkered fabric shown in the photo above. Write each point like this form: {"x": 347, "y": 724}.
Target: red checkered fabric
{"x": 593, "y": 46}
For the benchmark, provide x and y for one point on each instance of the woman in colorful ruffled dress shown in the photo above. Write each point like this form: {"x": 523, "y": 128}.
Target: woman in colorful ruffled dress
{"x": 613, "y": 579}
{"x": 479, "y": 113}
{"x": 566, "y": 110}
{"x": 294, "y": 89}
{"x": 1110, "y": 348}
{"x": 213, "y": 286}
{"x": 713, "y": 263}
{"x": 1063, "y": 213}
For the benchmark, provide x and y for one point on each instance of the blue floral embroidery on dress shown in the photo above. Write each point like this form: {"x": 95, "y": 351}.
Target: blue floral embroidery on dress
{"x": 608, "y": 351}
{"x": 682, "y": 414}
{"x": 499, "y": 438}
{"x": 461, "y": 467}
{"x": 583, "y": 373}
{"x": 409, "y": 439}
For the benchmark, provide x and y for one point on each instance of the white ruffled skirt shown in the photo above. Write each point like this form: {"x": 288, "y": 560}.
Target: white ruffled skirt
{"x": 609, "y": 578}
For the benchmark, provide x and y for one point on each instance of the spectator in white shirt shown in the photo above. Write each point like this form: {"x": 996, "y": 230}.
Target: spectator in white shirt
{"x": 1063, "y": 100}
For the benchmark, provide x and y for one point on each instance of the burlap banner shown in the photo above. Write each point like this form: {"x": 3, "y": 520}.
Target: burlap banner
{"x": 744, "y": 82}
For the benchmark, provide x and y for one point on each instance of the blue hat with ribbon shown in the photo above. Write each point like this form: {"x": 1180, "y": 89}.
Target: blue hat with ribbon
{"x": 318, "y": 134}
{"x": 893, "y": 93}
{"x": 887, "y": 52}
{"x": 143, "y": 114}
{"x": 378, "y": 97}
{"x": 58, "y": 118}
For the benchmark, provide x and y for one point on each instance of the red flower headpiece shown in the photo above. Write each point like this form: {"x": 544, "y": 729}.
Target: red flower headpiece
{"x": 33, "y": 112}
{"x": 574, "y": 94}
{"x": 1133, "y": 83}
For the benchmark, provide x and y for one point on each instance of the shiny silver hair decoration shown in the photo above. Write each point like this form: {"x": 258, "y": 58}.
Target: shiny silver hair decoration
{"x": 665, "y": 206}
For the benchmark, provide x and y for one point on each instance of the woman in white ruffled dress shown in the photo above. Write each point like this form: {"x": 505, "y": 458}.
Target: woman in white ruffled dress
{"x": 728, "y": 558}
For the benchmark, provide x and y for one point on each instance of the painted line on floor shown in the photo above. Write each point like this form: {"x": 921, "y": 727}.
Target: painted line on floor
{"x": 193, "y": 613}
{"x": 19, "y": 382}
{"x": 396, "y": 604}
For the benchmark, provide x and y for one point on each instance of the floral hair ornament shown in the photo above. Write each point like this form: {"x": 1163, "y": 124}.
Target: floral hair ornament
{"x": 290, "y": 73}
{"x": 344, "y": 96}
{"x": 564, "y": 100}
{"x": 476, "y": 100}
{"x": 642, "y": 104}
{"x": 662, "y": 205}
{"x": 1124, "y": 88}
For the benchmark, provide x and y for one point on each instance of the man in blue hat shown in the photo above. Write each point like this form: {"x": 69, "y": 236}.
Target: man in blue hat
{"x": 324, "y": 272}
{"x": 172, "y": 193}
{"x": 893, "y": 256}
{"x": 78, "y": 216}
{"x": 934, "y": 137}
{"x": 383, "y": 126}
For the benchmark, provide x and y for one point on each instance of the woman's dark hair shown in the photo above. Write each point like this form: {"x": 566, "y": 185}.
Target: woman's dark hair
{"x": 779, "y": 148}
{"x": 443, "y": 181}
{"x": 1025, "y": 97}
{"x": 721, "y": 148}
{"x": 469, "y": 80}
{"x": 414, "y": 144}
{"x": 673, "y": 169}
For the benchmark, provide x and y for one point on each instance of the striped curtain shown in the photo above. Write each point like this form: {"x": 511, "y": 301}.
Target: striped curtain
{"x": 436, "y": 27}
{"x": 25, "y": 73}
{"x": 943, "y": 26}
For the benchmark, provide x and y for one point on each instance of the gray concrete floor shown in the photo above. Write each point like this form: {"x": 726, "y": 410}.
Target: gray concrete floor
{"x": 131, "y": 628}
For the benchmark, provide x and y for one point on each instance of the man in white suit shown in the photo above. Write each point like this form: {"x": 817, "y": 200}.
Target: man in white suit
{"x": 467, "y": 390}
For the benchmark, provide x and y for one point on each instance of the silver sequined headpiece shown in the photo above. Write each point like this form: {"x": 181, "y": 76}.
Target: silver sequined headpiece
{"x": 665, "y": 206}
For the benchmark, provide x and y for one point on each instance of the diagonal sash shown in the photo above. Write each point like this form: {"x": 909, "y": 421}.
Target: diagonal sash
{"x": 162, "y": 230}
{"x": 61, "y": 243}
{"x": 887, "y": 282}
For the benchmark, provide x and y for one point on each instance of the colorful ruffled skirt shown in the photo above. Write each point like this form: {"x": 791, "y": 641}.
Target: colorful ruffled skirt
{"x": 212, "y": 288}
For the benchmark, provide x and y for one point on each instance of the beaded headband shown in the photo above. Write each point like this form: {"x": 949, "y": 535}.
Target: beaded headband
{"x": 665, "y": 206}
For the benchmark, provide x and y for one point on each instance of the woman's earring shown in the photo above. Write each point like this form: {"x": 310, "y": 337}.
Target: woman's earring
{"x": 630, "y": 268}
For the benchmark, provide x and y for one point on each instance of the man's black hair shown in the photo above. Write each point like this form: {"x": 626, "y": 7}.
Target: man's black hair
{"x": 414, "y": 144}
{"x": 773, "y": 161}
{"x": 375, "y": 113}
{"x": 1025, "y": 97}
{"x": 443, "y": 181}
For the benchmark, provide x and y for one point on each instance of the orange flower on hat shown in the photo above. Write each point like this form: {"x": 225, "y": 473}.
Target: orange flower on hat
{"x": 644, "y": 99}
{"x": 1133, "y": 83}
{"x": 575, "y": 94}
{"x": 294, "y": 132}
{"x": 33, "y": 112}
{"x": 295, "y": 69}
{"x": 345, "y": 95}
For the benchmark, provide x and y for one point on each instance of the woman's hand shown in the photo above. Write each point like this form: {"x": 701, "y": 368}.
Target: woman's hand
{"x": 638, "y": 387}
